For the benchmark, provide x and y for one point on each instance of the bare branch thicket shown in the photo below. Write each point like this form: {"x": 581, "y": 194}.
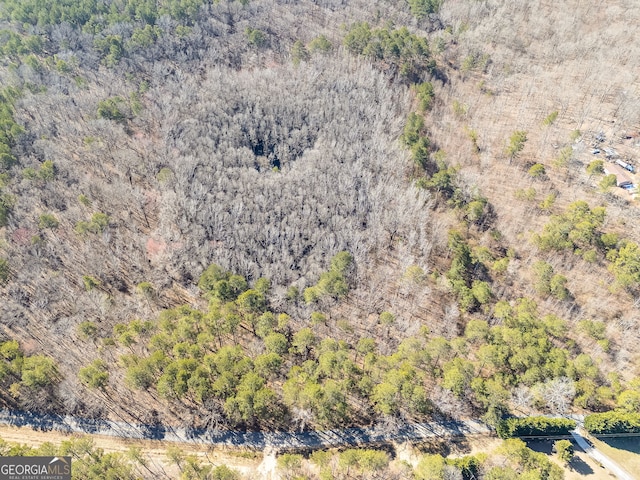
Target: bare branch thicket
{"x": 274, "y": 186}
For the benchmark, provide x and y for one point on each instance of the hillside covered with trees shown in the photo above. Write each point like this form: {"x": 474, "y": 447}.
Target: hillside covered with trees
{"x": 265, "y": 214}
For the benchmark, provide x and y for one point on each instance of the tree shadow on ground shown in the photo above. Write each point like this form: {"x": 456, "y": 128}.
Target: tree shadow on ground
{"x": 542, "y": 446}
{"x": 444, "y": 447}
{"x": 630, "y": 444}
{"x": 579, "y": 466}
{"x": 546, "y": 446}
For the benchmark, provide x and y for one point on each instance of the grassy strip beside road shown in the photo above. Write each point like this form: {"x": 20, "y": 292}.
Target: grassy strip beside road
{"x": 625, "y": 451}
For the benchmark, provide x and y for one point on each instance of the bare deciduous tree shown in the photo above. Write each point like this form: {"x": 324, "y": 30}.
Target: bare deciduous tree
{"x": 521, "y": 397}
{"x": 558, "y": 394}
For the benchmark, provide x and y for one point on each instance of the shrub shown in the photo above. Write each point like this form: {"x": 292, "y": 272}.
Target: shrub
{"x": 420, "y": 152}
{"x": 39, "y": 371}
{"x": 468, "y": 465}
{"x": 475, "y": 61}
{"x": 516, "y": 143}
{"x": 534, "y": 426}
{"x": 89, "y": 282}
{"x": 47, "y": 171}
{"x": 47, "y": 220}
{"x": 413, "y": 129}
{"x": 276, "y": 343}
{"x": 595, "y": 329}
{"x": 84, "y": 200}
{"x": 543, "y": 274}
{"x": 387, "y": 318}
{"x": 577, "y": 228}
{"x": 548, "y": 202}
{"x": 626, "y": 265}
{"x": 290, "y": 461}
{"x": 341, "y": 262}
{"x": 98, "y": 224}
{"x": 94, "y": 375}
{"x": 425, "y": 95}
{"x": 7, "y": 159}
{"x": 164, "y": 175}
{"x": 399, "y": 47}
{"x": 146, "y": 289}
{"x": 473, "y": 136}
{"x": 476, "y": 211}
{"x": 332, "y": 283}
{"x": 612, "y": 422}
{"x": 629, "y": 401}
{"x": 293, "y": 293}
{"x": 595, "y": 167}
{"x": 87, "y": 329}
{"x": 422, "y": 8}
{"x": 4, "y": 270}
{"x": 481, "y": 291}
{"x": 537, "y": 171}
{"x": 564, "y": 450}
{"x": 459, "y": 109}
{"x": 311, "y": 295}
{"x": 255, "y": 37}
{"x": 215, "y": 282}
{"x": 144, "y": 37}
{"x": 320, "y": 44}
{"x": 6, "y": 205}
{"x": 550, "y": 118}
{"x": 607, "y": 182}
{"x": 563, "y": 157}
{"x": 299, "y": 53}
{"x": 111, "y": 48}
{"x": 223, "y": 472}
{"x": 111, "y": 109}
{"x": 363, "y": 460}
{"x": 558, "y": 287}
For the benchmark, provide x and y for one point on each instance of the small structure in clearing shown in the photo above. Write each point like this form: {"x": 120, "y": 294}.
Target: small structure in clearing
{"x": 622, "y": 179}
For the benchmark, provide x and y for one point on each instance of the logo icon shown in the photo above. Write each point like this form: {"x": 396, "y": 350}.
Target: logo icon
{"x": 35, "y": 468}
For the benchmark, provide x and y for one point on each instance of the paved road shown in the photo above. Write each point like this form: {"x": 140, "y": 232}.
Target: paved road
{"x": 258, "y": 440}
{"x": 600, "y": 457}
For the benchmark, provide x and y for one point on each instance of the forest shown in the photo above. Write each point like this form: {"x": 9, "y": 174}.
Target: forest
{"x": 279, "y": 215}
